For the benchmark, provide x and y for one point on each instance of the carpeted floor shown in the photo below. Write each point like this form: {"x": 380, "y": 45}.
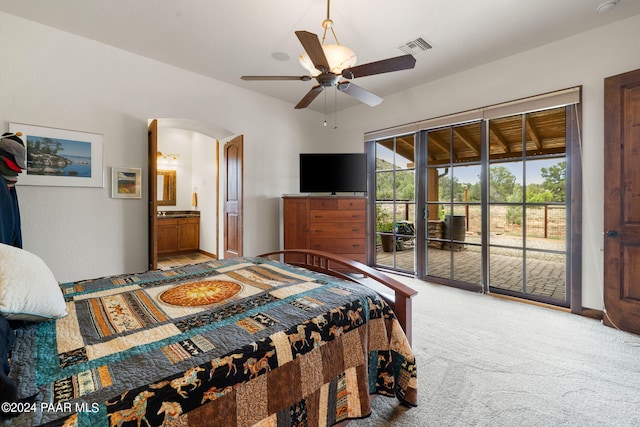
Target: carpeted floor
{"x": 486, "y": 361}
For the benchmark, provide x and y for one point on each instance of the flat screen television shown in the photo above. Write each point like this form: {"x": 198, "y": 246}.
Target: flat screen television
{"x": 333, "y": 173}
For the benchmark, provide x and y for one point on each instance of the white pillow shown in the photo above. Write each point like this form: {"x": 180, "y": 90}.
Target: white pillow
{"x": 28, "y": 289}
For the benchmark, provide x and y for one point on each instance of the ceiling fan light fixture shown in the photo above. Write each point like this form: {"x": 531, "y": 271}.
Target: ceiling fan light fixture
{"x": 338, "y": 56}
{"x": 329, "y": 63}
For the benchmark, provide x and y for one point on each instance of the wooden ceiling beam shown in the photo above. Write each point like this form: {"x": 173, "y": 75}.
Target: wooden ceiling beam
{"x": 405, "y": 147}
{"x": 467, "y": 141}
{"x": 533, "y": 133}
{"x": 435, "y": 141}
{"x": 498, "y": 136}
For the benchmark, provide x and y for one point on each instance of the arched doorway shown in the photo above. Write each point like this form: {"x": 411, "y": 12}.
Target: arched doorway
{"x": 189, "y": 151}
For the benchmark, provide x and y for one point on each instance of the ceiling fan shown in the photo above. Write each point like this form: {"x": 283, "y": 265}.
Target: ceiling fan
{"x": 327, "y": 63}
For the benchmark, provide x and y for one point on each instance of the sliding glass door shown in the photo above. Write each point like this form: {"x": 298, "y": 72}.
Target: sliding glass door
{"x": 528, "y": 206}
{"x": 454, "y": 210}
{"x": 395, "y": 203}
{"x": 498, "y": 211}
{"x": 495, "y": 204}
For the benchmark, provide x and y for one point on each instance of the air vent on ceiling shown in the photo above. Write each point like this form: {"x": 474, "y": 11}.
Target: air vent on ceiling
{"x": 415, "y": 46}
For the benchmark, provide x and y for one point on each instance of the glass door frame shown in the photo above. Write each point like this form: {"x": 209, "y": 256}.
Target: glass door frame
{"x": 423, "y": 251}
{"x": 410, "y": 205}
{"x": 574, "y": 206}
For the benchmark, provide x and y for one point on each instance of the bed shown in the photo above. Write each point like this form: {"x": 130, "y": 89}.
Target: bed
{"x": 243, "y": 341}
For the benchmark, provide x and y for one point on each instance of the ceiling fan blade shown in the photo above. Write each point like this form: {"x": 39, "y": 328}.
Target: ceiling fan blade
{"x": 252, "y": 78}
{"x": 309, "y": 97}
{"x": 403, "y": 62}
{"x": 359, "y": 93}
{"x": 312, "y": 46}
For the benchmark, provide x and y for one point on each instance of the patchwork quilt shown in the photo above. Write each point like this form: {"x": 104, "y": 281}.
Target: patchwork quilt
{"x": 244, "y": 341}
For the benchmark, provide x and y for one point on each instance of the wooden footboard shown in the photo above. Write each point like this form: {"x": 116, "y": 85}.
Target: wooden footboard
{"x": 397, "y": 295}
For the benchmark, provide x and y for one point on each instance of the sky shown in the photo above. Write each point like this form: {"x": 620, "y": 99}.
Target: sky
{"x": 534, "y": 176}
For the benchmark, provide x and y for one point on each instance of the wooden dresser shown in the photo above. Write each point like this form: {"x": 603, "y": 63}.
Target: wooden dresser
{"x": 333, "y": 224}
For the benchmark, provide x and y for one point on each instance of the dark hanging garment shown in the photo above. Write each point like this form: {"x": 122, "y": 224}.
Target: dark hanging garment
{"x": 12, "y": 163}
{"x": 16, "y": 211}
{"x": 10, "y": 228}
{"x": 7, "y": 215}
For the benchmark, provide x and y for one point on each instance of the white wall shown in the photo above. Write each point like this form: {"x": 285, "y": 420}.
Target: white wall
{"x": 585, "y": 59}
{"x": 203, "y": 182}
{"x": 55, "y": 79}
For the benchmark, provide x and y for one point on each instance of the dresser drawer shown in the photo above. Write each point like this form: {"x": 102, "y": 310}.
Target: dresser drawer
{"x": 339, "y": 246}
{"x": 323, "y": 203}
{"x": 337, "y": 216}
{"x": 344, "y": 230}
{"x": 337, "y": 203}
{"x": 359, "y": 204}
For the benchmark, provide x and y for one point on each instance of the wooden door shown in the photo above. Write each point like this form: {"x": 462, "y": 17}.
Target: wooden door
{"x": 153, "y": 191}
{"x": 233, "y": 160}
{"x": 622, "y": 201}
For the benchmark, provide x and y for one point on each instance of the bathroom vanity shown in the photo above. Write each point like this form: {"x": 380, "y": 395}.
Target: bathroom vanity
{"x": 178, "y": 232}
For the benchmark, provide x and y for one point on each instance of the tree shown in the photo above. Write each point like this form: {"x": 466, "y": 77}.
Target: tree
{"x": 502, "y": 184}
{"x": 536, "y": 193}
{"x": 459, "y": 189}
{"x": 405, "y": 185}
{"x": 555, "y": 181}
{"x": 475, "y": 194}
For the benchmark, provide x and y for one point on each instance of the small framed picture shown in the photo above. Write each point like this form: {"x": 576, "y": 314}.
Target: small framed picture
{"x": 126, "y": 183}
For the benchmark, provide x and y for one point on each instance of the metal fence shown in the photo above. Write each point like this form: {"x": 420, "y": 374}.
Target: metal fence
{"x": 542, "y": 220}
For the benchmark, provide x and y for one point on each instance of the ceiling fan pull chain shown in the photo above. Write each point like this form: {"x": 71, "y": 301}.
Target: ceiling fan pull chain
{"x": 325, "y": 108}
{"x": 335, "y": 107}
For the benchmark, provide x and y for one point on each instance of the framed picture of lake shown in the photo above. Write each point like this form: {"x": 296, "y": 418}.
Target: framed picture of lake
{"x": 126, "y": 183}
{"x": 59, "y": 157}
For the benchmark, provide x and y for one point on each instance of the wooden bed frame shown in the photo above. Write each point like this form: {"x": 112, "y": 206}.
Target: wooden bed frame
{"x": 396, "y": 294}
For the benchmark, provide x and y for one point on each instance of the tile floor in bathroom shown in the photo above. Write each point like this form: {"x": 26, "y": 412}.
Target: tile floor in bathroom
{"x": 167, "y": 262}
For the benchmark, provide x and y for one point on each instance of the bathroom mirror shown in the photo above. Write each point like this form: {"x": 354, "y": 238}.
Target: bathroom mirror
{"x": 166, "y": 188}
